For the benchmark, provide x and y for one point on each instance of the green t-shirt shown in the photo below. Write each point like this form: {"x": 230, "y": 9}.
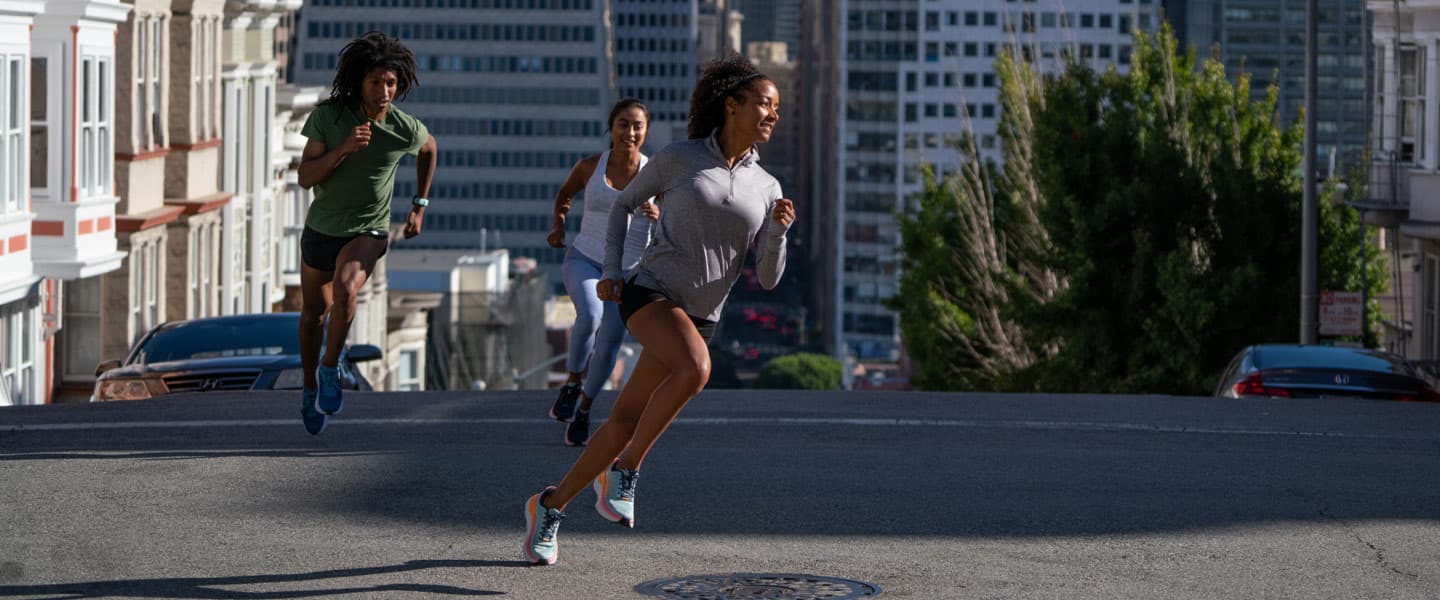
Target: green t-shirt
{"x": 356, "y": 197}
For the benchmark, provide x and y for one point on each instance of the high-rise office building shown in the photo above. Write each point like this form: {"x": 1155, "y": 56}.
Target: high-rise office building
{"x": 515, "y": 93}
{"x": 892, "y": 86}
{"x": 655, "y": 61}
{"x": 1266, "y": 38}
{"x": 771, "y": 21}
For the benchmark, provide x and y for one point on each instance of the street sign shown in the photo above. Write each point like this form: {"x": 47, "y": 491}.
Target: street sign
{"x": 1341, "y": 313}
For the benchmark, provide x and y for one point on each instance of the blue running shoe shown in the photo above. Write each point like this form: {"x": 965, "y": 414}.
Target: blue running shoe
{"x": 329, "y": 398}
{"x": 615, "y": 495}
{"x": 314, "y": 419}
{"x": 542, "y": 530}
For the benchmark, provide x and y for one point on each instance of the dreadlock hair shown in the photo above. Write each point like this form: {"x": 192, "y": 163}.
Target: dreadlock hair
{"x": 365, "y": 54}
{"x": 721, "y": 78}
{"x": 622, "y": 106}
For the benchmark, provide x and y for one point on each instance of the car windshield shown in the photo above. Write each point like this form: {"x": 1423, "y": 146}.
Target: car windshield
{"x": 1325, "y": 358}
{"x": 210, "y": 339}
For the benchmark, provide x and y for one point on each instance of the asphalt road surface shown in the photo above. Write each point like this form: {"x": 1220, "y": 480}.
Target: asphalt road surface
{"x": 923, "y": 495}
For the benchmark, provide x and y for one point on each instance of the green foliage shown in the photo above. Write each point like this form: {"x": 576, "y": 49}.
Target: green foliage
{"x": 930, "y": 316}
{"x": 1173, "y": 204}
{"x": 1340, "y": 257}
{"x": 1168, "y": 208}
{"x": 801, "y": 371}
{"x": 971, "y": 252}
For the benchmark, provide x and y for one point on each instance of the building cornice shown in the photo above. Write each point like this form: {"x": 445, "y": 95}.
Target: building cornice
{"x": 299, "y": 98}
{"x": 1421, "y": 229}
{"x": 203, "y": 204}
{"x": 24, "y": 8}
{"x": 260, "y": 8}
{"x": 148, "y": 219}
{"x": 107, "y": 11}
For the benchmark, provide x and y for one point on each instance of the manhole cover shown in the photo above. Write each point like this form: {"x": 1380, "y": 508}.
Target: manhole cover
{"x": 758, "y": 586}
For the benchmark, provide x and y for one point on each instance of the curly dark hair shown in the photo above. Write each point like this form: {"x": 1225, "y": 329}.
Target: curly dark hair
{"x": 721, "y": 78}
{"x": 365, "y": 54}
{"x": 624, "y": 105}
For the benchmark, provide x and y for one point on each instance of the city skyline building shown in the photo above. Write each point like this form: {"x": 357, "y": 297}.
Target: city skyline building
{"x": 894, "y": 87}
{"x": 655, "y": 61}
{"x": 771, "y": 21}
{"x": 1266, "y": 39}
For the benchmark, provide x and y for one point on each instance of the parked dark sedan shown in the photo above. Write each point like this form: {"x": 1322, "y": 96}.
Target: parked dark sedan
{"x": 241, "y": 352}
{"x": 1291, "y": 371}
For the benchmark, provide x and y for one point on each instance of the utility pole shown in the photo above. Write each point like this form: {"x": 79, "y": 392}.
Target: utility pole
{"x": 1309, "y": 228}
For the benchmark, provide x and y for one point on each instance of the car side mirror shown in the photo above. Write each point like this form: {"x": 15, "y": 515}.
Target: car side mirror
{"x": 106, "y": 366}
{"x": 364, "y": 353}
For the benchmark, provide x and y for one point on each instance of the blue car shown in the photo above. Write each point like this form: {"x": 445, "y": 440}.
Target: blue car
{"x": 241, "y": 352}
{"x": 1295, "y": 371}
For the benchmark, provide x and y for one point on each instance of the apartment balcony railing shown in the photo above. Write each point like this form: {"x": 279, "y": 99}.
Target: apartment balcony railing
{"x": 1387, "y": 201}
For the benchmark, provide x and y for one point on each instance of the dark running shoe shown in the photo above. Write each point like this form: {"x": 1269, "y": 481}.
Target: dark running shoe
{"x": 313, "y": 418}
{"x": 564, "y": 407}
{"x": 329, "y": 399}
{"x": 578, "y": 432}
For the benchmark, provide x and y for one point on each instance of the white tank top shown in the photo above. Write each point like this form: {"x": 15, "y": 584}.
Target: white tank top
{"x": 599, "y": 197}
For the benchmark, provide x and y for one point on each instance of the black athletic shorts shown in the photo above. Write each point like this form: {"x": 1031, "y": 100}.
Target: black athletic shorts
{"x": 634, "y": 297}
{"x": 319, "y": 251}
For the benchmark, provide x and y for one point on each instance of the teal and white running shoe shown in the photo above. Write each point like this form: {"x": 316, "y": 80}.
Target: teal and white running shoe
{"x": 312, "y": 417}
{"x": 615, "y": 495}
{"x": 329, "y": 400}
{"x": 542, "y": 529}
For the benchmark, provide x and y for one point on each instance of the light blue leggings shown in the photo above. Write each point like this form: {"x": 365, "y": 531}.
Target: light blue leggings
{"x": 598, "y": 332}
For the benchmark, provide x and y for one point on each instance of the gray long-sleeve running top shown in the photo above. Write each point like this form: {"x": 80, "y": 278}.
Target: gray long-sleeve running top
{"x": 710, "y": 215}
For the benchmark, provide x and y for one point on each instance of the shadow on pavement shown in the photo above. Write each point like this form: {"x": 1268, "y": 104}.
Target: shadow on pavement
{"x": 184, "y": 454}
{"x": 205, "y": 587}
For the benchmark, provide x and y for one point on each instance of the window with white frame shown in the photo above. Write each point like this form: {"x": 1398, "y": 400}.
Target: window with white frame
{"x": 210, "y": 61}
{"x": 17, "y": 354}
{"x": 150, "y": 71}
{"x": 144, "y": 288}
{"x": 80, "y": 338}
{"x": 1411, "y": 61}
{"x": 154, "y": 281}
{"x": 141, "y": 91}
{"x": 200, "y": 275}
{"x": 96, "y": 156}
{"x": 408, "y": 377}
{"x": 159, "y": 41}
{"x": 13, "y": 152}
{"x": 39, "y": 126}
{"x": 1430, "y": 299}
{"x": 150, "y": 43}
{"x": 202, "y": 78}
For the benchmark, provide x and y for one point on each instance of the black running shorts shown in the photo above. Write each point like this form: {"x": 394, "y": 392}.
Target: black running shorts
{"x": 634, "y": 297}
{"x": 319, "y": 251}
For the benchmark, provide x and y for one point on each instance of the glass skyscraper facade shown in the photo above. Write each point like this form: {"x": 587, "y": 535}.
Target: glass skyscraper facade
{"x": 1266, "y": 38}
{"x": 655, "y": 60}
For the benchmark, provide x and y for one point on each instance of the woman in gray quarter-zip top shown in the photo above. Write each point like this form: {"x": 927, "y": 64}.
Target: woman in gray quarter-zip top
{"x": 717, "y": 203}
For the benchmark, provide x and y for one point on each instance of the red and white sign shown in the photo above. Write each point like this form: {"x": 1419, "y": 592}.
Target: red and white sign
{"x": 1341, "y": 313}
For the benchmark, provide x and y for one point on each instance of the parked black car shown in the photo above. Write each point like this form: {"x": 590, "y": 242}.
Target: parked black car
{"x": 1294, "y": 371}
{"x": 241, "y": 352}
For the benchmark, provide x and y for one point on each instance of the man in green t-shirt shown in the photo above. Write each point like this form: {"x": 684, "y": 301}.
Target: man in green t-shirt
{"x": 356, "y": 139}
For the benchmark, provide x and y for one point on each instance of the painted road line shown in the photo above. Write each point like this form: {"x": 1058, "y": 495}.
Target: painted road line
{"x": 1080, "y": 426}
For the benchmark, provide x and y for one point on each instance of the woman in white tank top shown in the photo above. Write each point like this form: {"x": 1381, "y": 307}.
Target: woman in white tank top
{"x": 598, "y": 331}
